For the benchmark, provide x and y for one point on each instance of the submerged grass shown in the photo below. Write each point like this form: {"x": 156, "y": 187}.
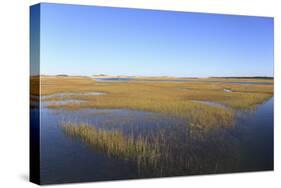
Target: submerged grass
{"x": 116, "y": 144}
{"x": 172, "y": 151}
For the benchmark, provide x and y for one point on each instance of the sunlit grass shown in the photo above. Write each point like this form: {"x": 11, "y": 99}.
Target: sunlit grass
{"x": 55, "y": 84}
{"x": 201, "y": 144}
{"x": 115, "y": 144}
{"x": 171, "y": 98}
{"x": 167, "y": 152}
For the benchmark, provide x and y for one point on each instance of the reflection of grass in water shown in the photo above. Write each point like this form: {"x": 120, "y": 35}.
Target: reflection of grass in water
{"x": 193, "y": 149}
{"x": 115, "y": 144}
{"x": 175, "y": 151}
{"x": 198, "y": 114}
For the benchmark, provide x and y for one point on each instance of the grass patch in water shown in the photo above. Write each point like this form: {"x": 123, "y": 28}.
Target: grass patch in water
{"x": 115, "y": 144}
{"x": 174, "y": 151}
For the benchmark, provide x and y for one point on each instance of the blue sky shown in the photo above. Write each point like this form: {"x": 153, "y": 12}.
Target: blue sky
{"x": 87, "y": 40}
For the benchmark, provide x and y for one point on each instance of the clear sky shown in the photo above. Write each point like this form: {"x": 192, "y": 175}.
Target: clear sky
{"x": 87, "y": 40}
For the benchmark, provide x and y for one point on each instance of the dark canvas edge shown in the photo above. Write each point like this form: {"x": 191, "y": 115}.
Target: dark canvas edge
{"x": 34, "y": 124}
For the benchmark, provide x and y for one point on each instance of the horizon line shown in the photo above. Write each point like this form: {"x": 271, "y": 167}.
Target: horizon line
{"x": 108, "y": 75}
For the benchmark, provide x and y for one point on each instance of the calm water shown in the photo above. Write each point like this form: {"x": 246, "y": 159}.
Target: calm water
{"x": 68, "y": 94}
{"x": 247, "y": 146}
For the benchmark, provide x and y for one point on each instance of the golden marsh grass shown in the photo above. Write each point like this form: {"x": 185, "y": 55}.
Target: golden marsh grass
{"x": 116, "y": 144}
{"x": 171, "y": 98}
{"x": 171, "y": 151}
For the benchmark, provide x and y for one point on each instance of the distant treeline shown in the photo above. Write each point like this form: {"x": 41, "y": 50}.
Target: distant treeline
{"x": 62, "y": 75}
{"x": 245, "y": 77}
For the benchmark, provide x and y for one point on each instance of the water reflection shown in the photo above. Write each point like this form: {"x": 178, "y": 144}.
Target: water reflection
{"x": 211, "y": 103}
{"x": 70, "y": 94}
{"x": 185, "y": 150}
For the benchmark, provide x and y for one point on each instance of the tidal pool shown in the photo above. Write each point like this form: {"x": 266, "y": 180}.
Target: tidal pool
{"x": 211, "y": 103}
{"x": 70, "y": 94}
{"x": 246, "y": 146}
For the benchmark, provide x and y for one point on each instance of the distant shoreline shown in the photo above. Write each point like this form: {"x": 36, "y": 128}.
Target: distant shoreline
{"x": 160, "y": 77}
{"x": 246, "y": 77}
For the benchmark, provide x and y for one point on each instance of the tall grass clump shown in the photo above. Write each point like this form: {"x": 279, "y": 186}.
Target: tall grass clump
{"x": 115, "y": 144}
{"x": 172, "y": 151}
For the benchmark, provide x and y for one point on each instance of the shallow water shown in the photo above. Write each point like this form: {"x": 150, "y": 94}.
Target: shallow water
{"x": 255, "y": 130}
{"x": 61, "y": 102}
{"x": 66, "y": 160}
{"x": 211, "y": 103}
{"x": 227, "y": 90}
{"x": 70, "y": 94}
{"x": 247, "y": 146}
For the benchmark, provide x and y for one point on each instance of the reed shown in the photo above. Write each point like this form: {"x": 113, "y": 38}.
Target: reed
{"x": 173, "y": 151}
{"x": 115, "y": 144}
